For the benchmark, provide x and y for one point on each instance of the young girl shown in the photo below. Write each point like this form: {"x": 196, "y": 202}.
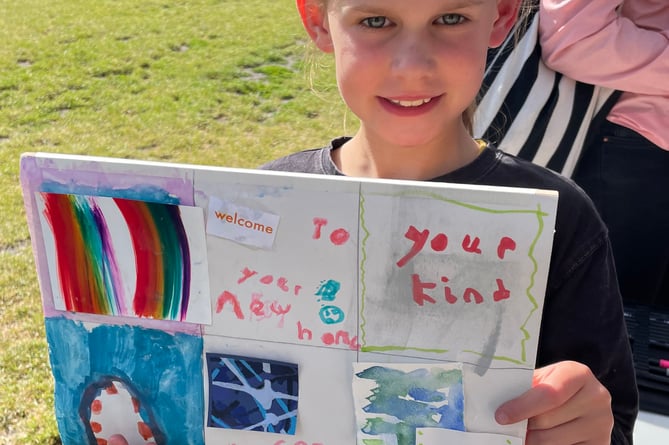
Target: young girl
{"x": 410, "y": 71}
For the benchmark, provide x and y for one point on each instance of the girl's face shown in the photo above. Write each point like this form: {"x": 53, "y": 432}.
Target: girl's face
{"x": 409, "y": 69}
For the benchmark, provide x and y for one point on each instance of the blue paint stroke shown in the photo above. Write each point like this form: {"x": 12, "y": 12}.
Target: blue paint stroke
{"x": 148, "y": 193}
{"x": 164, "y": 369}
{"x": 422, "y": 398}
{"x": 328, "y": 290}
{"x": 331, "y": 314}
{"x": 252, "y": 394}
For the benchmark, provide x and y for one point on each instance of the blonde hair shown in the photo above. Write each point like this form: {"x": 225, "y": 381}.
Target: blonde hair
{"x": 525, "y": 9}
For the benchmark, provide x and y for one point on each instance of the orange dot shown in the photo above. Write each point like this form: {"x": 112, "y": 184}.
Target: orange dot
{"x": 96, "y": 427}
{"x": 111, "y": 389}
{"x": 135, "y": 404}
{"x": 101, "y": 441}
{"x": 96, "y": 406}
{"x": 144, "y": 430}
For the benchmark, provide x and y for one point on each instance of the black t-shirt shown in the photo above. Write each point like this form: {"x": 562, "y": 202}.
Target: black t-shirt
{"x": 582, "y": 316}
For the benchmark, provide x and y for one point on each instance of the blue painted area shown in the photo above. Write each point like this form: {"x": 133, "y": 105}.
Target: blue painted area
{"x": 252, "y": 394}
{"x": 328, "y": 290}
{"x": 421, "y": 398}
{"x": 148, "y": 193}
{"x": 331, "y": 314}
{"x": 165, "y": 371}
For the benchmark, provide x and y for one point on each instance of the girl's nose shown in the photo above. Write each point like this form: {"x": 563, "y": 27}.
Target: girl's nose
{"x": 413, "y": 57}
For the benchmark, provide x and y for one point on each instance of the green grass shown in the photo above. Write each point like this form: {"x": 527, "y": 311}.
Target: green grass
{"x": 217, "y": 82}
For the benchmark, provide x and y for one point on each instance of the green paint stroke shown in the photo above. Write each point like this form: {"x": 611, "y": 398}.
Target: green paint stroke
{"x": 363, "y": 281}
{"x": 171, "y": 258}
{"x": 389, "y": 348}
{"x": 100, "y": 283}
{"x": 523, "y": 328}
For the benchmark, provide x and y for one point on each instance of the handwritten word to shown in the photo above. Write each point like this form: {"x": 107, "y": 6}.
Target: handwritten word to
{"x": 329, "y": 339}
{"x": 420, "y": 297}
{"x": 439, "y": 243}
{"x": 337, "y": 237}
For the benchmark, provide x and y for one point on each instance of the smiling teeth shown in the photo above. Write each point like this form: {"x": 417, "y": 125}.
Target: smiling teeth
{"x": 411, "y": 103}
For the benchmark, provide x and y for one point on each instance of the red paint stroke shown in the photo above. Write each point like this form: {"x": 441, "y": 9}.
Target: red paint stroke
{"x": 111, "y": 389}
{"x": 246, "y": 274}
{"x": 471, "y": 246}
{"x": 96, "y": 406}
{"x": 144, "y": 430}
{"x": 439, "y": 242}
{"x": 318, "y": 223}
{"x": 419, "y": 239}
{"x": 72, "y": 261}
{"x": 229, "y": 297}
{"x": 505, "y": 244}
{"x": 149, "y": 293}
{"x": 339, "y": 237}
{"x": 502, "y": 293}
{"x": 417, "y": 287}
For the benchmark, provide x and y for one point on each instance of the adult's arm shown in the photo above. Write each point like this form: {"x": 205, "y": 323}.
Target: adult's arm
{"x": 590, "y": 41}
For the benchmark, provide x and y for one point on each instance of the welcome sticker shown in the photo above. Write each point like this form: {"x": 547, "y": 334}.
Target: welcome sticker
{"x": 241, "y": 224}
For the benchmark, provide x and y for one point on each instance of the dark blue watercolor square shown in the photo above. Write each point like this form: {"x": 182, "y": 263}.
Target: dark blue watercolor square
{"x": 252, "y": 394}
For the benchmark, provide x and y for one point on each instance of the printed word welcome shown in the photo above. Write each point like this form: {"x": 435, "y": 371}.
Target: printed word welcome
{"x": 243, "y": 222}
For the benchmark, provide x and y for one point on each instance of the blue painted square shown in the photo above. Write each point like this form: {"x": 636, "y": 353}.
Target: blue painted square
{"x": 393, "y": 400}
{"x": 252, "y": 394}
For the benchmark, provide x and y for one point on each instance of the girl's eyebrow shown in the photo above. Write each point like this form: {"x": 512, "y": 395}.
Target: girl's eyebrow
{"x": 380, "y": 7}
{"x": 457, "y": 4}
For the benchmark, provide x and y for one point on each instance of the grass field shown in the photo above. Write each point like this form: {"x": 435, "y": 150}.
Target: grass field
{"x": 218, "y": 82}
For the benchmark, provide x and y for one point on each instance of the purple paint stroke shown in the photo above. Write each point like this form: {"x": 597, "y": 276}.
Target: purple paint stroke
{"x": 117, "y": 297}
{"x": 30, "y": 177}
{"x": 185, "y": 262}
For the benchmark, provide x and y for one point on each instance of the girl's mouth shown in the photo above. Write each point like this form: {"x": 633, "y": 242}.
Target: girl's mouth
{"x": 410, "y": 107}
{"x": 411, "y": 103}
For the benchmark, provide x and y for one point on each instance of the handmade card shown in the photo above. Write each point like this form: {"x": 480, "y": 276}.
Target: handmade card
{"x": 200, "y": 305}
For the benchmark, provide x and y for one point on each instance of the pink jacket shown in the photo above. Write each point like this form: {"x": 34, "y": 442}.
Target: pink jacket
{"x": 622, "y": 47}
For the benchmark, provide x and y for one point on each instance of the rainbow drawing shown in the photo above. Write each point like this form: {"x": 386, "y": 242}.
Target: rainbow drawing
{"x": 117, "y": 256}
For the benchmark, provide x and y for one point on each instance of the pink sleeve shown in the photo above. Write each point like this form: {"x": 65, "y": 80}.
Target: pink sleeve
{"x": 589, "y": 41}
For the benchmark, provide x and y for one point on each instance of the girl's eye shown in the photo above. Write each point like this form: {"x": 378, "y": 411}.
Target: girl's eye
{"x": 450, "y": 19}
{"x": 376, "y": 22}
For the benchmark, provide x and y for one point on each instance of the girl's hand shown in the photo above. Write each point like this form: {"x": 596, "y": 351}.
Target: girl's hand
{"x": 566, "y": 405}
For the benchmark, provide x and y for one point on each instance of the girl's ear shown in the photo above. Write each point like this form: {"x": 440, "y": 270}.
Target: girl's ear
{"x": 315, "y": 22}
{"x": 507, "y": 14}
